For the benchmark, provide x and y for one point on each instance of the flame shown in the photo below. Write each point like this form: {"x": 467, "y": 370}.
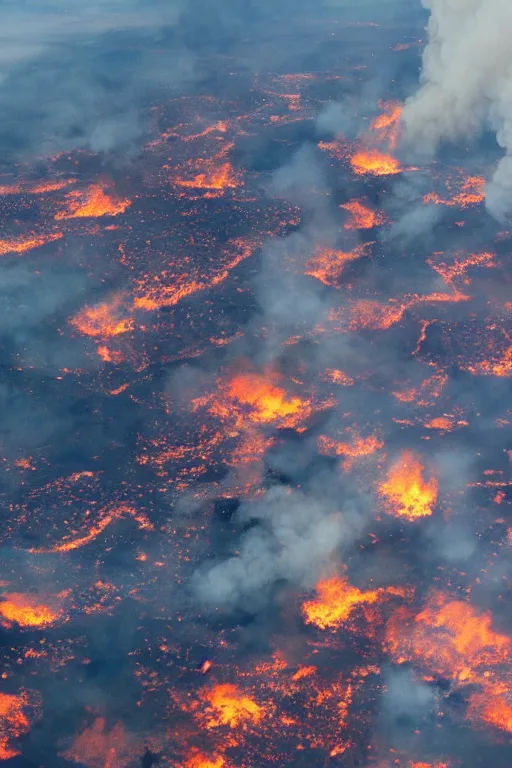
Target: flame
{"x": 266, "y": 402}
{"x": 461, "y": 263}
{"x": 405, "y": 493}
{"x": 358, "y": 448}
{"x": 492, "y": 710}
{"x": 103, "y": 320}
{"x": 13, "y": 722}
{"x": 472, "y": 192}
{"x": 200, "y": 760}
{"x": 372, "y": 162}
{"x": 450, "y": 638}
{"x": 92, "y": 203}
{"x": 362, "y": 217}
{"x": 387, "y": 125}
{"x": 26, "y": 611}
{"x": 23, "y": 245}
{"x": 335, "y": 601}
{"x": 228, "y": 705}
{"x": 327, "y": 265}
{"x": 219, "y": 179}
{"x": 99, "y": 747}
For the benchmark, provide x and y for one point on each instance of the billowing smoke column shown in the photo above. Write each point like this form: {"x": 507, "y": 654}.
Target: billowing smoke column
{"x": 467, "y": 83}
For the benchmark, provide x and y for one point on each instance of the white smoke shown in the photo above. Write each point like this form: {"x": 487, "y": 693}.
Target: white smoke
{"x": 467, "y": 83}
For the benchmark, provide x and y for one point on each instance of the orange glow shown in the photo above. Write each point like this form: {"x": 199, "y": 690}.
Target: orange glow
{"x": 228, "y": 705}
{"x": 216, "y": 179}
{"x": 106, "y": 518}
{"x": 99, "y": 747}
{"x": 266, "y": 402}
{"x": 472, "y": 192}
{"x": 199, "y": 760}
{"x": 26, "y": 611}
{"x": 493, "y": 710}
{"x": 359, "y": 447}
{"x": 362, "y": 217}
{"x": 338, "y": 377}
{"x": 371, "y": 162}
{"x": 103, "y": 320}
{"x": 405, "y": 493}
{"x": 371, "y": 315}
{"x": 450, "y": 638}
{"x": 441, "y": 422}
{"x": 387, "y": 125}
{"x": 23, "y": 245}
{"x": 92, "y": 202}
{"x": 13, "y": 723}
{"x": 327, "y": 265}
{"x": 335, "y": 601}
{"x": 461, "y": 263}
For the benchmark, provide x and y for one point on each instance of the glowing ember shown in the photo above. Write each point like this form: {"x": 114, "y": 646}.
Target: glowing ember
{"x": 92, "y": 202}
{"x": 371, "y": 162}
{"x": 405, "y": 493}
{"x": 26, "y": 611}
{"x": 101, "y": 747}
{"x": 228, "y": 705}
{"x": 199, "y": 760}
{"x": 362, "y": 217}
{"x": 492, "y": 710}
{"x": 13, "y": 723}
{"x": 24, "y": 245}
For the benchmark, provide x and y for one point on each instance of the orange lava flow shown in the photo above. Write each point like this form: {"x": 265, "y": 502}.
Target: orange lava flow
{"x": 13, "y": 723}
{"x": 405, "y": 493}
{"x": 26, "y": 611}
{"x": 362, "y": 217}
{"x": 327, "y": 265}
{"x": 228, "y": 705}
{"x": 371, "y": 162}
{"x": 267, "y": 402}
{"x": 92, "y": 203}
{"x": 335, "y": 601}
{"x": 21, "y": 246}
{"x": 103, "y": 319}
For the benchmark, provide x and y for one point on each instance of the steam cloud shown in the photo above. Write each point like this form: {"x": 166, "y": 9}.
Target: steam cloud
{"x": 467, "y": 84}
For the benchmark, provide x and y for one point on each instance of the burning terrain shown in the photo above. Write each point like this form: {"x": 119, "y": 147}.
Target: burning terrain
{"x": 255, "y": 455}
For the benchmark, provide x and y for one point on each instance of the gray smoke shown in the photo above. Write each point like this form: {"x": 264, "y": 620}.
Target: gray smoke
{"x": 466, "y": 84}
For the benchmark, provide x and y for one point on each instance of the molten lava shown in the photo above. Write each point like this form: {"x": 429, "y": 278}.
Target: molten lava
{"x": 405, "y": 493}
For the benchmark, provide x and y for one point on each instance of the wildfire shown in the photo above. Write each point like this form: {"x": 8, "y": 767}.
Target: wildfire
{"x": 362, "y": 217}
{"x": 327, "y": 265}
{"x": 335, "y": 601}
{"x": 371, "y": 162}
{"x": 359, "y": 447}
{"x": 104, "y": 320}
{"x": 200, "y": 760}
{"x": 92, "y": 202}
{"x": 266, "y": 402}
{"x": 472, "y": 192}
{"x": 99, "y": 747}
{"x": 28, "y": 244}
{"x": 228, "y": 705}
{"x": 26, "y": 611}
{"x": 387, "y": 125}
{"x": 13, "y": 723}
{"x": 405, "y": 493}
{"x": 215, "y": 179}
